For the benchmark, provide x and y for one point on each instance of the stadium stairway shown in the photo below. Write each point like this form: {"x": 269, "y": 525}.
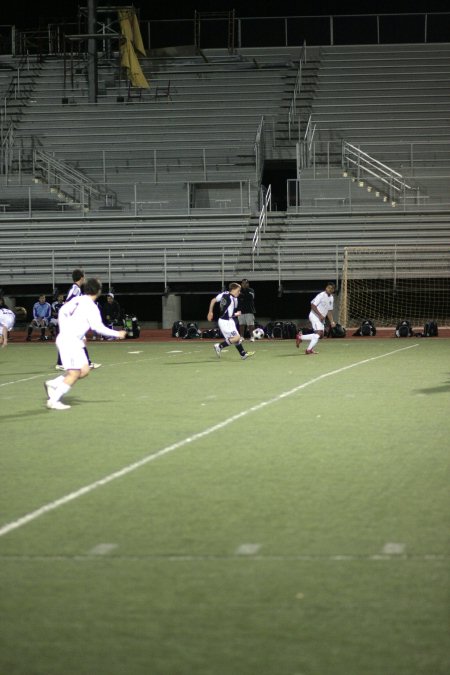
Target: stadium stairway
{"x": 205, "y": 131}
{"x": 391, "y": 102}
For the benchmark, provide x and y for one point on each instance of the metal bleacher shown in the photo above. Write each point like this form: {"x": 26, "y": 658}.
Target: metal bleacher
{"x": 175, "y": 180}
{"x": 147, "y": 148}
{"x": 392, "y": 102}
{"x": 126, "y": 250}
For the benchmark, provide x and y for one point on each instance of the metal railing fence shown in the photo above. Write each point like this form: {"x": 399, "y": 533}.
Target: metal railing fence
{"x": 363, "y": 165}
{"x": 262, "y": 222}
{"x": 282, "y": 31}
{"x": 413, "y": 156}
{"x": 294, "y": 123}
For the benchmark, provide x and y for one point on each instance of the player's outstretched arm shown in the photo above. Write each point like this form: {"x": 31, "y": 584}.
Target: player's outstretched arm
{"x": 210, "y": 314}
{"x": 97, "y": 325}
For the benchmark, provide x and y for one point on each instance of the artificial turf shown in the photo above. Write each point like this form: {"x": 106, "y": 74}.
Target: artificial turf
{"x": 285, "y": 515}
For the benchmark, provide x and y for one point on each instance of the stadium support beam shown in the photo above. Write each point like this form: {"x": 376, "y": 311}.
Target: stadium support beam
{"x": 92, "y": 53}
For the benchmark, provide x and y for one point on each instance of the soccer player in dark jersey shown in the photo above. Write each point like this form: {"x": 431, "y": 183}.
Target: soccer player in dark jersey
{"x": 246, "y": 306}
{"x": 227, "y": 312}
{"x": 56, "y": 306}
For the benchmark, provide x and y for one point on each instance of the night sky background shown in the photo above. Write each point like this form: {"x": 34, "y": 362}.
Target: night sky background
{"x": 27, "y": 14}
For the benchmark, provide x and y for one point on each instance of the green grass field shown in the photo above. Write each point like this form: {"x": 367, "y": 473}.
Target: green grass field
{"x": 189, "y": 515}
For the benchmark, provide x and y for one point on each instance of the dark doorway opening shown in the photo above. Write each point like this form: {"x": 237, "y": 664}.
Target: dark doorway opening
{"x": 276, "y": 173}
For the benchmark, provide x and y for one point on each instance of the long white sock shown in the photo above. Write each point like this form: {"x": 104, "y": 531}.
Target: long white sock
{"x": 60, "y": 390}
{"x": 57, "y": 380}
{"x": 313, "y": 338}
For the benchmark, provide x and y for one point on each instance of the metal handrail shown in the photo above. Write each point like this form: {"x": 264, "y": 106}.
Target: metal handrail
{"x": 261, "y": 227}
{"x": 58, "y": 174}
{"x": 6, "y": 154}
{"x": 292, "y": 112}
{"x": 362, "y": 161}
{"x": 259, "y": 148}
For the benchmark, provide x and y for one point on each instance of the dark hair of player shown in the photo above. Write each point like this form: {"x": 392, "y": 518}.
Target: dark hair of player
{"x": 77, "y": 275}
{"x": 92, "y": 287}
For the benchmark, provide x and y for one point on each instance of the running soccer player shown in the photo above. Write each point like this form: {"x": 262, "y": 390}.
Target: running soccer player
{"x": 321, "y": 308}
{"x": 75, "y": 318}
{"x": 78, "y": 279}
{"x": 7, "y": 321}
{"x": 227, "y": 311}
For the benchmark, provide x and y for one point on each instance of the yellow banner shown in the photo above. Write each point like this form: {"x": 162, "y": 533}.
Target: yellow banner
{"x": 132, "y": 41}
{"x": 130, "y": 29}
{"x": 129, "y": 60}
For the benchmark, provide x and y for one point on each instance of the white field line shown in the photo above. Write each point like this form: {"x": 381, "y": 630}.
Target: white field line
{"x": 25, "y": 379}
{"x": 180, "y": 558}
{"x": 51, "y": 506}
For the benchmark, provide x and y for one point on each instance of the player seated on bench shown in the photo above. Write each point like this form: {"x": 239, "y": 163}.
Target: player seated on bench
{"x": 42, "y": 312}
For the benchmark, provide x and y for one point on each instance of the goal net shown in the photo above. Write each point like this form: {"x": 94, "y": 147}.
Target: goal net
{"x": 388, "y": 284}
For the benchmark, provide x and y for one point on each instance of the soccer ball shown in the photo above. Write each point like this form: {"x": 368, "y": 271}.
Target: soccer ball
{"x": 258, "y": 333}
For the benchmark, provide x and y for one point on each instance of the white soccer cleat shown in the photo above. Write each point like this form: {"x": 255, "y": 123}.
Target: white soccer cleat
{"x": 217, "y": 349}
{"x": 57, "y": 405}
{"x": 58, "y": 367}
{"x": 95, "y": 365}
{"x": 247, "y": 354}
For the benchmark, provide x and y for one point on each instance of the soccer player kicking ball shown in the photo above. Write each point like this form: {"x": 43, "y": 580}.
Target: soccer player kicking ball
{"x": 227, "y": 311}
{"x": 75, "y": 318}
{"x": 321, "y": 308}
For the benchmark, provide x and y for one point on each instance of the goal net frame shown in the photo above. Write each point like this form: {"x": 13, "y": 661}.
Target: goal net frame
{"x": 388, "y": 284}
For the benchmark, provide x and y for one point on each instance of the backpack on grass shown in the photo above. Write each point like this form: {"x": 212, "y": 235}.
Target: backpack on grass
{"x": 192, "y": 331}
{"x": 366, "y": 329}
{"x": 131, "y": 325}
{"x": 403, "y": 329}
{"x": 430, "y": 329}
{"x": 212, "y": 333}
{"x": 289, "y": 330}
{"x": 179, "y": 329}
{"x": 338, "y": 331}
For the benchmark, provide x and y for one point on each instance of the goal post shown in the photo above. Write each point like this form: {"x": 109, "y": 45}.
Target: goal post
{"x": 388, "y": 284}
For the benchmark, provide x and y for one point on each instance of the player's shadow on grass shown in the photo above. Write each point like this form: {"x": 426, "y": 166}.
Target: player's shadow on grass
{"x": 189, "y": 363}
{"x": 22, "y": 415}
{"x": 441, "y": 389}
{"x": 70, "y": 400}
{"x": 73, "y": 402}
{"x": 289, "y": 356}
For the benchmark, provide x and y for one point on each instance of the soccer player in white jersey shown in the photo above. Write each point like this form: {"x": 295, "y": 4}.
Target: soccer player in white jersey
{"x": 78, "y": 279}
{"x": 75, "y": 318}
{"x": 321, "y": 308}
{"x": 7, "y": 321}
{"x": 227, "y": 311}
